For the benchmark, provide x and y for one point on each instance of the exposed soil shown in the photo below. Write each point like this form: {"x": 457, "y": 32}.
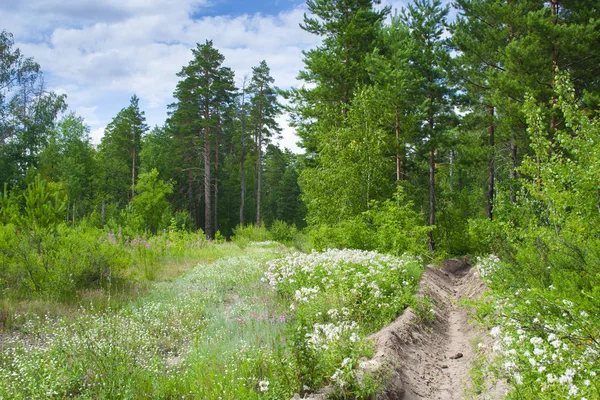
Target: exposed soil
{"x": 432, "y": 359}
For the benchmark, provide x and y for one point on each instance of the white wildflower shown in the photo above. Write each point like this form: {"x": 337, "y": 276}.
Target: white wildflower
{"x": 263, "y": 386}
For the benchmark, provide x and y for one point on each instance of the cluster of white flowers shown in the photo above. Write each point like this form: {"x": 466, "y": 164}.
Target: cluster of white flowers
{"x": 364, "y": 286}
{"x": 332, "y": 263}
{"x": 486, "y": 266}
{"x": 546, "y": 355}
{"x": 263, "y": 385}
{"x": 324, "y": 335}
{"x": 368, "y": 278}
{"x": 305, "y": 295}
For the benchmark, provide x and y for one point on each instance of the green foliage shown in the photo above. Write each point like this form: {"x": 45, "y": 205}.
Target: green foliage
{"x": 119, "y": 153}
{"x": 44, "y": 205}
{"x": 54, "y": 265}
{"x": 243, "y": 235}
{"x": 352, "y": 168}
{"x": 151, "y": 200}
{"x": 219, "y": 238}
{"x": 70, "y": 159}
{"x": 391, "y": 226}
{"x": 337, "y": 298}
{"x": 27, "y": 112}
{"x": 281, "y": 232}
{"x": 396, "y": 227}
{"x": 545, "y": 287}
{"x": 181, "y": 221}
{"x": 9, "y": 208}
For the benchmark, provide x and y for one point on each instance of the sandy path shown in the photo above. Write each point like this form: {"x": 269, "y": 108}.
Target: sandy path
{"x": 438, "y": 367}
{"x": 432, "y": 360}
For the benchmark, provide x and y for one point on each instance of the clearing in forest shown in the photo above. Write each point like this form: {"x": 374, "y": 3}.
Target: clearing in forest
{"x": 268, "y": 323}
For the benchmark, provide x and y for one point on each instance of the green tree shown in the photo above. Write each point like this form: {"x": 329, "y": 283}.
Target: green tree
{"x": 395, "y": 83}
{"x": 27, "y": 112}
{"x": 336, "y": 68}
{"x": 151, "y": 199}
{"x": 70, "y": 159}
{"x": 426, "y": 20}
{"x": 263, "y": 112}
{"x": 203, "y": 94}
{"x": 508, "y": 49}
{"x": 353, "y": 167}
{"x": 289, "y": 205}
{"x": 119, "y": 152}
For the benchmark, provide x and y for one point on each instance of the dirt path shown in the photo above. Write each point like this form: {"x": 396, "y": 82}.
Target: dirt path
{"x": 433, "y": 360}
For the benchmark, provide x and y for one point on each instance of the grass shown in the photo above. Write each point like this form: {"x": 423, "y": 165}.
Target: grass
{"x": 216, "y": 330}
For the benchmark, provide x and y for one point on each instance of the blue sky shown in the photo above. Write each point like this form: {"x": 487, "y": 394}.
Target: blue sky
{"x": 240, "y": 7}
{"x": 101, "y": 52}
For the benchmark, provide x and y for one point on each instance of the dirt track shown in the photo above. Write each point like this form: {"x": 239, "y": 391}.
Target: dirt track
{"x": 432, "y": 360}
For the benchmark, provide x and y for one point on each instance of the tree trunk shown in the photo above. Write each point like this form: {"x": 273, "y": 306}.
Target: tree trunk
{"x": 133, "y": 171}
{"x": 102, "y": 210}
{"x": 216, "y": 193}
{"x": 207, "y": 177}
{"x": 431, "y": 197}
{"x": 451, "y": 172}
{"x": 492, "y": 170}
{"x": 259, "y": 182}
{"x": 398, "y": 161}
{"x": 259, "y": 164}
{"x": 243, "y": 157}
{"x": 513, "y": 170}
{"x": 431, "y": 170}
{"x": 190, "y": 190}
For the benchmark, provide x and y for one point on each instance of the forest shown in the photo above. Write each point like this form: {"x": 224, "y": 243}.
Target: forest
{"x": 435, "y": 131}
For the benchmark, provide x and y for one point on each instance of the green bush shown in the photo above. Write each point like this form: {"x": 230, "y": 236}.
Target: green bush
{"x": 242, "y": 235}
{"x": 282, "y": 232}
{"x": 57, "y": 264}
{"x": 391, "y": 226}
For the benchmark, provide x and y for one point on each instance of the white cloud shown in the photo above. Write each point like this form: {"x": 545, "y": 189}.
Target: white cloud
{"x": 289, "y": 139}
{"x": 98, "y": 52}
{"x": 96, "y": 134}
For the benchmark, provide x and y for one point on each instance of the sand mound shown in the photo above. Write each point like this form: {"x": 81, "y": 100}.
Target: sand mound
{"x": 429, "y": 359}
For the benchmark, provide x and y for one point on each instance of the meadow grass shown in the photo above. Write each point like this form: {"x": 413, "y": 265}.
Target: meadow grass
{"x": 221, "y": 330}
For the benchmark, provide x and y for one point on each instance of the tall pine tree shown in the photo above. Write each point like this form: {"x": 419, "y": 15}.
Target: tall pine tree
{"x": 264, "y": 111}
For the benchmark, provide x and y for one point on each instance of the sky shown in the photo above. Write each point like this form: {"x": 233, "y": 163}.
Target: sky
{"x": 101, "y": 52}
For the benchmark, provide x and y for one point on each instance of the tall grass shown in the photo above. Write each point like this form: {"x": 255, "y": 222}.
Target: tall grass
{"x": 219, "y": 331}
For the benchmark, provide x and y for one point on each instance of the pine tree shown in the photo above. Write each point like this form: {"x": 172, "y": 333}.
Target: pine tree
{"x": 119, "y": 152}
{"x": 349, "y": 29}
{"x": 395, "y": 83}
{"x": 426, "y": 20}
{"x": 264, "y": 111}
{"x": 202, "y": 95}
{"x": 512, "y": 48}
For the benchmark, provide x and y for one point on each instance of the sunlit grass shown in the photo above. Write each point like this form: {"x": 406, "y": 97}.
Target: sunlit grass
{"x": 219, "y": 330}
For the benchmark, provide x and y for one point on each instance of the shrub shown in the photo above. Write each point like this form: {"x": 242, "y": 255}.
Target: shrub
{"x": 282, "y": 232}
{"x": 390, "y": 227}
{"x": 57, "y": 264}
{"x": 242, "y": 235}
